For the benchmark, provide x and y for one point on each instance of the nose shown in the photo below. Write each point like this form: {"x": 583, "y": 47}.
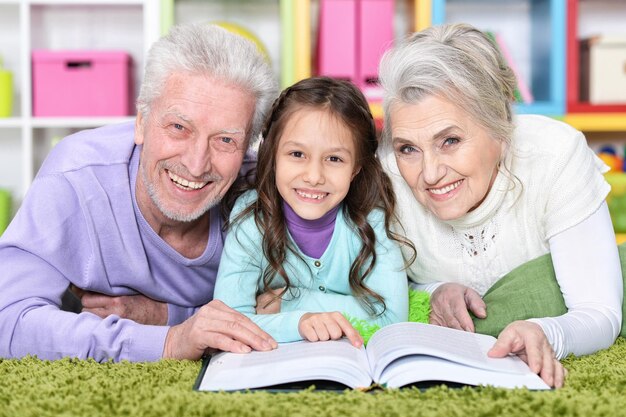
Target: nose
{"x": 432, "y": 168}
{"x": 314, "y": 173}
{"x": 197, "y": 157}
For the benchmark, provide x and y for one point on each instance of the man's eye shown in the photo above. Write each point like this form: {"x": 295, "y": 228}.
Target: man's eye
{"x": 224, "y": 144}
{"x": 406, "y": 149}
{"x": 178, "y": 126}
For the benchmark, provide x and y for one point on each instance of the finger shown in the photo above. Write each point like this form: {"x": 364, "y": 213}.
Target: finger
{"x": 216, "y": 310}
{"x": 350, "y": 332}
{"x": 547, "y": 369}
{"x": 221, "y": 342}
{"x": 463, "y": 319}
{"x": 450, "y": 320}
{"x": 237, "y": 331}
{"x": 334, "y": 330}
{"x": 96, "y": 300}
{"x": 537, "y": 359}
{"x": 320, "y": 329}
{"x": 78, "y": 292}
{"x": 559, "y": 374}
{"x": 307, "y": 332}
{"x": 505, "y": 344}
{"x": 475, "y": 303}
{"x": 100, "y": 312}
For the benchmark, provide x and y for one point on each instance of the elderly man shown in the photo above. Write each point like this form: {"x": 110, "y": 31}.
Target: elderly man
{"x": 126, "y": 210}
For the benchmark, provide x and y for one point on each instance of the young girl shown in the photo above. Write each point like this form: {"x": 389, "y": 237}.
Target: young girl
{"x": 315, "y": 230}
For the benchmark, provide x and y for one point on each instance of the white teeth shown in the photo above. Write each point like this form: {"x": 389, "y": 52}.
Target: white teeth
{"x": 445, "y": 189}
{"x": 309, "y": 195}
{"x": 185, "y": 184}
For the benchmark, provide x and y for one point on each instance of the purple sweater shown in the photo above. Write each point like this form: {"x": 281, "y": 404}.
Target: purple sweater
{"x": 80, "y": 224}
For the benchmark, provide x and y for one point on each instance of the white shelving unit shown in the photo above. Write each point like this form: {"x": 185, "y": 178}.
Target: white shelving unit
{"x": 25, "y": 25}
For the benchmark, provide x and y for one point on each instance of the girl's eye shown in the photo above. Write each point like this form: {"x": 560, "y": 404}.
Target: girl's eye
{"x": 335, "y": 159}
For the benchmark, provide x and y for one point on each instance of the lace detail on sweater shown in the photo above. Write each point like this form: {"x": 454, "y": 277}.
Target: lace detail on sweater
{"x": 477, "y": 247}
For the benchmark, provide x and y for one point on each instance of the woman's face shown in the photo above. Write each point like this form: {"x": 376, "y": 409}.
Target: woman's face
{"x": 448, "y": 160}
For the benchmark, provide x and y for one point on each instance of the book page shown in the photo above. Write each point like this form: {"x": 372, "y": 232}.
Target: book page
{"x": 415, "y": 369}
{"x": 403, "y": 339}
{"x": 337, "y": 361}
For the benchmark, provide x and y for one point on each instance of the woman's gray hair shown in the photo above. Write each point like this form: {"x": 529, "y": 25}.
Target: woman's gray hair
{"x": 457, "y": 62}
{"x": 213, "y": 51}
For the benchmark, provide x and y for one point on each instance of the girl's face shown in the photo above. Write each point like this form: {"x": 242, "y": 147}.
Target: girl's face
{"x": 448, "y": 160}
{"x": 315, "y": 162}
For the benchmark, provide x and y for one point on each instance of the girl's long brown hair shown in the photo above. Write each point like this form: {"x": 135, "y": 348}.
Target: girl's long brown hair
{"x": 370, "y": 188}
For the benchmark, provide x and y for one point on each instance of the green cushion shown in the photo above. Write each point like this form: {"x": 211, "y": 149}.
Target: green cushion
{"x": 530, "y": 290}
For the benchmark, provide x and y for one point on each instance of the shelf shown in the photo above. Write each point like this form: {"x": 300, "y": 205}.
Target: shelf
{"x": 533, "y": 30}
{"x": 585, "y": 19}
{"x": 77, "y": 122}
{"x": 597, "y": 122}
{"x": 11, "y": 122}
{"x": 83, "y": 2}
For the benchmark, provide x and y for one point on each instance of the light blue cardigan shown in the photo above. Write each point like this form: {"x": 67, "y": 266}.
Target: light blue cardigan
{"x": 318, "y": 285}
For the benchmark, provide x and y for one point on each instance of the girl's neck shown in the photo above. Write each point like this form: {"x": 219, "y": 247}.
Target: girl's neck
{"x": 311, "y": 236}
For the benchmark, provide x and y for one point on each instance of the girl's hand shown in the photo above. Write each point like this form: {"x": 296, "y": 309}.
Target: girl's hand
{"x": 328, "y": 326}
{"x": 528, "y": 341}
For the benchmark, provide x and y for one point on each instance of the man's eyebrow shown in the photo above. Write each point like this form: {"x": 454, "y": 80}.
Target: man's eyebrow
{"x": 178, "y": 115}
{"x": 233, "y": 131}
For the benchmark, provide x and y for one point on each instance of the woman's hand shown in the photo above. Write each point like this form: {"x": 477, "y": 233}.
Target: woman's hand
{"x": 449, "y": 305}
{"x": 328, "y": 326}
{"x": 528, "y": 341}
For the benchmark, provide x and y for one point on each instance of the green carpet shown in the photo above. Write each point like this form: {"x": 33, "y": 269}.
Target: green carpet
{"x": 596, "y": 386}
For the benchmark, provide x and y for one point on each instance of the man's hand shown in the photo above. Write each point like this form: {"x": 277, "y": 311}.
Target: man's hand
{"x": 328, "y": 326}
{"x": 528, "y": 341}
{"x": 450, "y": 303}
{"x": 138, "y": 308}
{"x": 215, "y": 327}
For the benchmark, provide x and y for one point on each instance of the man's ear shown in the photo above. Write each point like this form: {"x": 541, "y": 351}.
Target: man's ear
{"x": 139, "y": 129}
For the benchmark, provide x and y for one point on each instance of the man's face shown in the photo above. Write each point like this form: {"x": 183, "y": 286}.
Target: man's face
{"x": 194, "y": 140}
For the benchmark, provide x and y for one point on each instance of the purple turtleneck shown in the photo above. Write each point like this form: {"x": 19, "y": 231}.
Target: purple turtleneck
{"x": 311, "y": 236}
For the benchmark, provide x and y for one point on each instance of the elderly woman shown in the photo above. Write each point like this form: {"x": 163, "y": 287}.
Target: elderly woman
{"x": 481, "y": 191}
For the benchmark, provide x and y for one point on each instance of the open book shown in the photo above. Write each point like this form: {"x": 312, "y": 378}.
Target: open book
{"x": 398, "y": 355}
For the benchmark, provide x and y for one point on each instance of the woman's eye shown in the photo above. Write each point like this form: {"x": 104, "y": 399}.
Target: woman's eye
{"x": 297, "y": 154}
{"x": 451, "y": 141}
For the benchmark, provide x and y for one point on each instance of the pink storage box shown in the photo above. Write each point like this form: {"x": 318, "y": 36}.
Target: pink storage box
{"x": 81, "y": 83}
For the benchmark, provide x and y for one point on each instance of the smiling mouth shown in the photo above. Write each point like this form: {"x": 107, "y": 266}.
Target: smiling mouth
{"x": 446, "y": 189}
{"x": 311, "y": 195}
{"x": 185, "y": 184}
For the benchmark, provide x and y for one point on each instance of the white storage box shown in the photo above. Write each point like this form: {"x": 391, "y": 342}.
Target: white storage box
{"x": 603, "y": 70}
